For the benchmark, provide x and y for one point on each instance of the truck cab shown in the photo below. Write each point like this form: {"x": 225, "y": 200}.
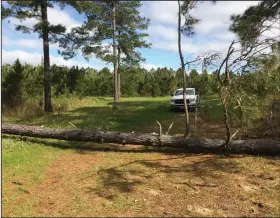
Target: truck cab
{"x": 177, "y": 100}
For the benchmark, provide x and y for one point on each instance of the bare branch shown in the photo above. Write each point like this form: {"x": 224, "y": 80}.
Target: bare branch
{"x": 233, "y": 135}
{"x": 73, "y": 125}
{"x": 169, "y": 128}
{"x": 160, "y": 129}
{"x": 244, "y": 55}
{"x": 230, "y": 50}
{"x": 235, "y": 66}
{"x": 193, "y": 61}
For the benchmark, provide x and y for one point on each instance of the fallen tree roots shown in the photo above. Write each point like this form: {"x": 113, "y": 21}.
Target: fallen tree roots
{"x": 250, "y": 146}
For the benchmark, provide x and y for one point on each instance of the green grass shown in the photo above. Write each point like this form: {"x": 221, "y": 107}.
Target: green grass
{"x": 60, "y": 178}
{"x": 24, "y": 157}
{"x": 98, "y": 113}
{"x": 23, "y": 162}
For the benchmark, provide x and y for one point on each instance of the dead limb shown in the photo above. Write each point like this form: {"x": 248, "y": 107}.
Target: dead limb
{"x": 170, "y": 126}
{"x": 160, "y": 129}
{"x": 233, "y": 135}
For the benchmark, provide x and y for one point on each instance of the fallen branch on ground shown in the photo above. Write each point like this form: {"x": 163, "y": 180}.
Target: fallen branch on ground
{"x": 251, "y": 146}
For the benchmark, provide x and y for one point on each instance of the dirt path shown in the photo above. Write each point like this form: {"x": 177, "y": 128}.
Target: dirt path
{"x": 60, "y": 192}
{"x": 131, "y": 184}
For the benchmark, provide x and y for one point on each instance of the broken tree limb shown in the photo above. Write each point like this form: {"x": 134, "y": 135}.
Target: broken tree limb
{"x": 234, "y": 134}
{"x": 160, "y": 129}
{"x": 169, "y": 128}
{"x": 251, "y": 146}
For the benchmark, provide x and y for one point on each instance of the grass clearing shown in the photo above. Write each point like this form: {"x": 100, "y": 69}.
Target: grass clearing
{"x": 132, "y": 114}
{"x": 23, "y": 165}
{"x": 55, "y": 178}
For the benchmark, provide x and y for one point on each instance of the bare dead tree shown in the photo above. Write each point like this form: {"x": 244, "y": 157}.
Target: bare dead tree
{"x": 187, "y": 29}
{"x": 235, "y": 60}
{"x": 184, "y": 73}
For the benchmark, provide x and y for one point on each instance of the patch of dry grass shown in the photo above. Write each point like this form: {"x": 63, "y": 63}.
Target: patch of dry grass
{"x": 131, "y": 181}
{"x": 52, "y": 178}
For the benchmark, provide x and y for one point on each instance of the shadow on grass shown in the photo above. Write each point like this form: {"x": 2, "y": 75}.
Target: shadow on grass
{"x": 127, "y": 116}
{"x": 139, "y": 116}
{"x": 124, "y": 178}
{"x": 178, "y": 166}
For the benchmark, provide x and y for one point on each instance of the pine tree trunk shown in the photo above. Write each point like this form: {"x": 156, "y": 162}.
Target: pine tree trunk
{"x": 47, "y": 76}
{"x": 116, "y": 94}
{"x": 119, "y": 73}
{"x": 187, "y": 132}
{"x": 251, "y": 146}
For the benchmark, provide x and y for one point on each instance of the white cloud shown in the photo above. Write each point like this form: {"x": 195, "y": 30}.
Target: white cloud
{"x": 55, "y": 17}
{"x": 150, "y": 66}
{"x": 25, "y": 57}
{"x": 162, "y": 11}
{"x": 30, "y": 22}
{"x": 211, "y": 33}
{"x": 212, "y": 16}
{"x": 225, "y": 36}
{"x": 274, "y": 30}
{"x": 36, "y": 58}
{"x": 215, "y": 19}
{"x": 25, "y": 43}
{"x": 189, "y": 47}
{"x": 163, "y": 32}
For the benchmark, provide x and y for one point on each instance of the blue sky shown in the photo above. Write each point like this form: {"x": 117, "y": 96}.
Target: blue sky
{"x": 211, "y": 34}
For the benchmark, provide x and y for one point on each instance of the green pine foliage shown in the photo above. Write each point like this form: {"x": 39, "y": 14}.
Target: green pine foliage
{"x": 12, "y": 83}
{"x": 26, "y": 82}
{"x": 95, "y": 35}
{"x": 250, "y": 25}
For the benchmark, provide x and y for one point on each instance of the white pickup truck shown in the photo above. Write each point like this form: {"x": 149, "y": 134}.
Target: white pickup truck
{"x": 177, "y": 100}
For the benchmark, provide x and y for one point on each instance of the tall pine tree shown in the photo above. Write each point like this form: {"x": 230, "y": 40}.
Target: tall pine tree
{"x": 113, "y": 31}
{"x": 38, "y": 10}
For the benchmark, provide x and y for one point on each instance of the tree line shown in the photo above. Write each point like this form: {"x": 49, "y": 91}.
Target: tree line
{"x": 112, "y": 31}
{"x": 23, "y": 81}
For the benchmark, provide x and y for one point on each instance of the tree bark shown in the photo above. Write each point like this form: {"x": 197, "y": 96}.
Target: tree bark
{"x": 251, "y": 146}
{"x": 224, "y": 92}
{"x": 187, "y": 132}
{"x": 116, "y": 95}
{"x": 119, "y": 73}
{"x": 47, "y": 77}
{"x": 226, "y": 118}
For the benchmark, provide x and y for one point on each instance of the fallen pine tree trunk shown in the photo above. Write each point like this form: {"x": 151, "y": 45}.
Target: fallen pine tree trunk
{"x": 250, "y": 146}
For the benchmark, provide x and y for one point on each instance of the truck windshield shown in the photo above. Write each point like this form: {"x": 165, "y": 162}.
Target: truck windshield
{"x": 188, "y": 92}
